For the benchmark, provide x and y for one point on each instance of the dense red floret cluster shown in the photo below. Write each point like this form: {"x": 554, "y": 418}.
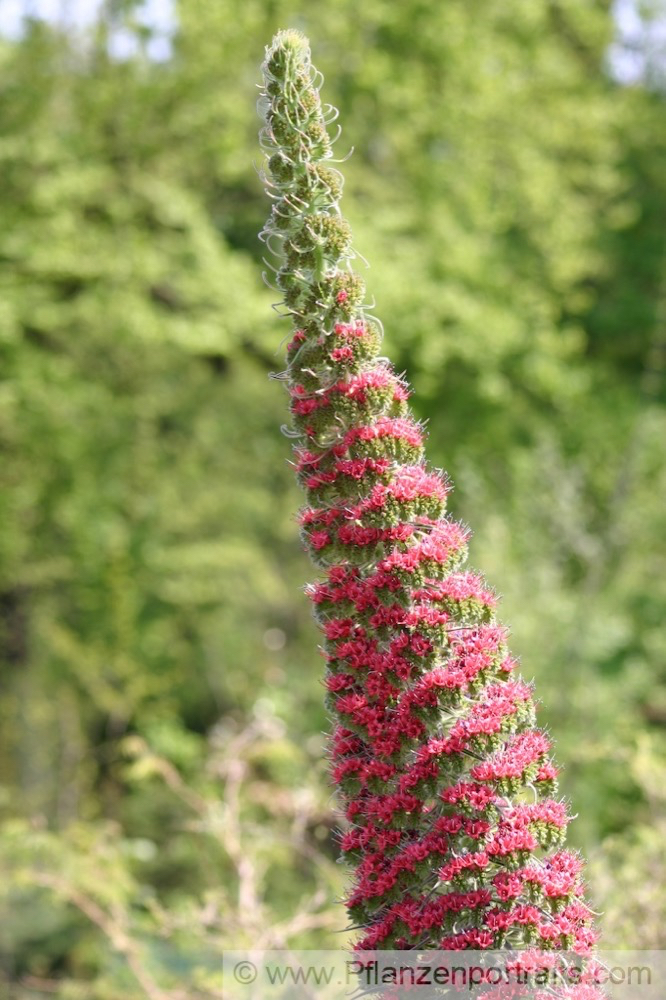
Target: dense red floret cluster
{"x": 453, "y": 828}
{"x": 455, "y": 831}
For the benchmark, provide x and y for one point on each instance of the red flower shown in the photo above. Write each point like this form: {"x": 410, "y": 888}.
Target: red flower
{"x": 444, "y": 777}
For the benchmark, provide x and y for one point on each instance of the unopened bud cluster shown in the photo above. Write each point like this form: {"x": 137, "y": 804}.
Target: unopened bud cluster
{"x": 454, "y": 827}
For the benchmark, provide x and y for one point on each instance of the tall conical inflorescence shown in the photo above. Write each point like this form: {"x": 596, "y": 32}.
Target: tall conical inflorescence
{"x": 455, "y": 830}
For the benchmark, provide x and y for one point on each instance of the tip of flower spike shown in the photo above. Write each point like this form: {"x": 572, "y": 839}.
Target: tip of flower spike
{"x": 290, "y": 38}
{"x": 287, "y": 45}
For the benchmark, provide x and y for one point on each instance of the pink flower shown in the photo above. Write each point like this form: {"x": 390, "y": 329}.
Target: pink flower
{"x": 319, "y": 539}
{"x": 445, "y": 779}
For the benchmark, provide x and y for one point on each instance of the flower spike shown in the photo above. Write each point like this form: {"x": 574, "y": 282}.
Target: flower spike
{"x": 455, "y": 830}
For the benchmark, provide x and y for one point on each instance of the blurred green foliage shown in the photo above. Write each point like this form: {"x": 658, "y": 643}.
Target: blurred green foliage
{"x": 164, "y": 789}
